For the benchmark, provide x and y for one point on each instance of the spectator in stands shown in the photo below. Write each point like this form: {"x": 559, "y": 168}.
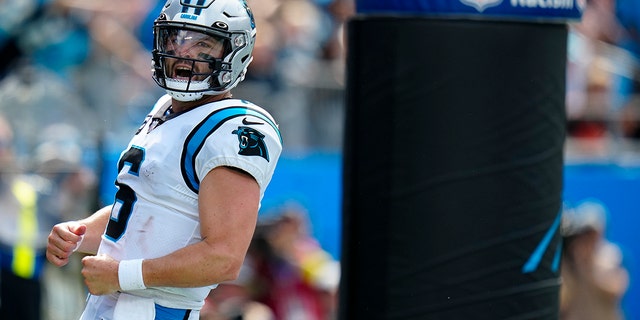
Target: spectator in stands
{"x": 22, "y": 242}
{"x": 593, "y": 278}
{"x": 294, "y": 276}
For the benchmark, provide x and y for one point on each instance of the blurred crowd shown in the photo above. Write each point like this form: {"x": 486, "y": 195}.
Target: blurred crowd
{"x": 75, "y": 82}
{"x": 603, "y": 83}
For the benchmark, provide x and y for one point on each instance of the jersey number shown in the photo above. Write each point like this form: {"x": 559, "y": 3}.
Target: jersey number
{"x": 125, "y": 197}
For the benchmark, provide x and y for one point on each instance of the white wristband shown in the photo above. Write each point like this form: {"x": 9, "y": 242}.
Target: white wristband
{"x": 130, "y": 275}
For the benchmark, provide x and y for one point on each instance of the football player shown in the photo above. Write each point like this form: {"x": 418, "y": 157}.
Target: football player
{"x": 190, "y": 181}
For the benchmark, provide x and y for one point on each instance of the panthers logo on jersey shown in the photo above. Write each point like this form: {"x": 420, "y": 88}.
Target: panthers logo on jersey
{"x": 251, "y": 142}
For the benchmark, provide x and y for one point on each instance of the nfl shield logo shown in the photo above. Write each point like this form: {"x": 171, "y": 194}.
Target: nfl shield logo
{"x": 480, "y": 5}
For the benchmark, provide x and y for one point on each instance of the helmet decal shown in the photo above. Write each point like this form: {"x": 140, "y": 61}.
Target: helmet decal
{"x": 249, "y": 13}
{"x": 197, "y": 7}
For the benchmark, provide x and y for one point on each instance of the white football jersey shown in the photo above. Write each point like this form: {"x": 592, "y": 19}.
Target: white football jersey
{"x": 156, "y": 206}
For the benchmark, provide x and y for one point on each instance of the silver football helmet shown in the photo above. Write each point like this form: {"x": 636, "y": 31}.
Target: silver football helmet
{"x": 202, "y": 47}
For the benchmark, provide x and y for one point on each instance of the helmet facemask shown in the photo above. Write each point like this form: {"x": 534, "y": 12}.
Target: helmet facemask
{"x": 189, "y": 63}
{"x": 201, "y": 72}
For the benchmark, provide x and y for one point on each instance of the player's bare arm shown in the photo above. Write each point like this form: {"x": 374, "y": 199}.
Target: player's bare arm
{"x": 228, "y": 205}
{"x": 82, "y": 235}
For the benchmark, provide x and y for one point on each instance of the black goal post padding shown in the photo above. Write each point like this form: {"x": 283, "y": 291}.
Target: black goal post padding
{"x": 452, "y": 169}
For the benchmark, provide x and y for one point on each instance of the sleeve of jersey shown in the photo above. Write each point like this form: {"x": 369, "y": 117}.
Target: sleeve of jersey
{"x": 246, "y": 142}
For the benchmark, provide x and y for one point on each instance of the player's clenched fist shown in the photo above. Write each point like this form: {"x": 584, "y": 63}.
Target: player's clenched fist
{"x": 63, "y": 240}
{"x": 100, "y": 274}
